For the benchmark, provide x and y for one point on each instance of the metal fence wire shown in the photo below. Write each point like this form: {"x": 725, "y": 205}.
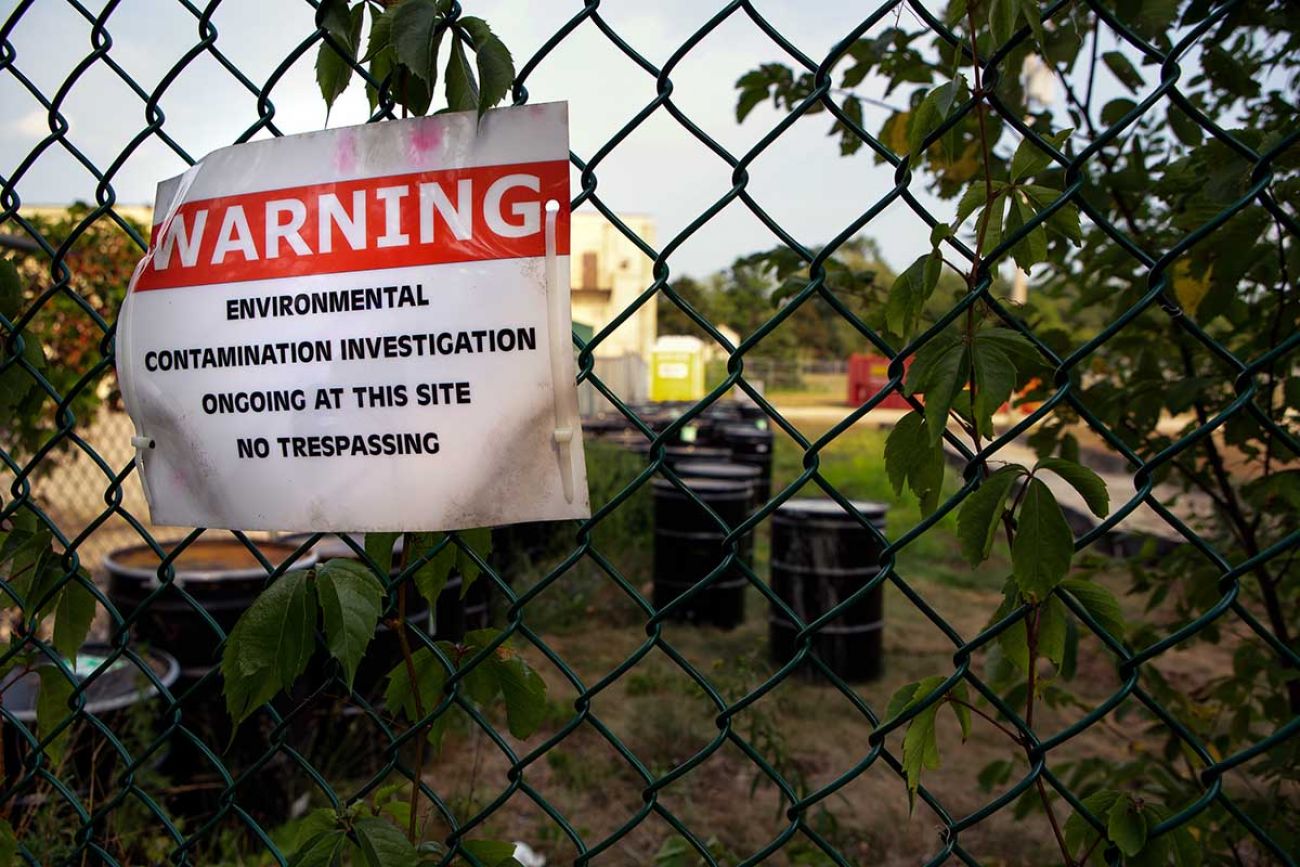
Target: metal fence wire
{"x": 236, "y": 803}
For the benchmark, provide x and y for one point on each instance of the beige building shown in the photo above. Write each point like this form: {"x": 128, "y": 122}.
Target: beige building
{"x": 608, "y": 273}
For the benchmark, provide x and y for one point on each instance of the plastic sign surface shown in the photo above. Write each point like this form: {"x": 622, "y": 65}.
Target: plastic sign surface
{"x": 361, "y": 329}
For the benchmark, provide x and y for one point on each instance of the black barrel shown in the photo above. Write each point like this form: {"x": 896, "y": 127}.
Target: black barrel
{"x": 719, "y": 470}
{"x": 675, "y": 455}
{"x": 604, "y": 425}
{"x": 220, "y": 574}
{"x": 750, "y": 445}
{"x": 223, "y": 578}
{"x": 688, "y": 546}
{"x": 116, "y": 698}
{"x": 820, "y": 556}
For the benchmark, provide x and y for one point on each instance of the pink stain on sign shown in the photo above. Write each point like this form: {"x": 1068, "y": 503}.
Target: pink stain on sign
{"x": 425, "y": 137}
{"x": 345, "y": 155}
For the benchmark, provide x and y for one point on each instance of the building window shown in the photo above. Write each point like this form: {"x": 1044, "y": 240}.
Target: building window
{"x": 589, "y": 277}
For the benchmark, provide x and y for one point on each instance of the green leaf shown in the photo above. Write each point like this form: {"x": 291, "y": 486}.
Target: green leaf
{"x": 320, "y": 850}
{"x": 1065, "y": 220}
{"x": 383, "y": 844}
{"x": 1115, "y": 110}
{"x": 52, "y": 709}
{"x": 995, "y": 379}
{"x": 351, "y": 600}
{"x": 1123, "y": 69}
{"x": 990, "y": 221}
{"x": 909, "y": 293}
{"x": 25, "y": 555}
{"x": 1187, "y": 852}
{"x": 1013, "y": 642}
{"x": 1189, "y": 132}
{"x": 1053, "y": 620}
{"x": 995, "y": 773}
{"x": 1032, "y": 248}
{"x": 977, "y": 522}
{"x": 462, "y": 88}
{"x": 73, "y": 616}
{"x": 934, "y": 109}
{"x": 430, "y": 676}
{"x": 480, "y": 541}
{"x": 910, "y": 694}
{"x": 381, "y": 31}
{"x": 270, "y": 644}
{"x": 379, "y": 547}
{"x": 959, "y": 694}
{"x": 1079, "y": 832}
{"x": 1030, "y": 159}
{"x": 416, "y": 32}
{"x": 488, "y": 851}
{"x": 1034, "y": 16}
{"x": 8, "y": 844}
{"x": 1044, "y": 545}
{"x": 920, "y": 743}
{"x": 920, "y": 747}
{"x": 334, "y": 69}
{"x": 1099, "y": 602}
{"x": 911, "y": 458}
{"x": 431, "y": 578}
{"x": 976, "y": 196}
{"x": 939, "y": 372}
{"x": 1085, "y": 481}
{"x": 496, "y": 68}
{"x": 524, "y": 692}
{"x": 1126, "y": 827}
{"x": 1003, "y": 18}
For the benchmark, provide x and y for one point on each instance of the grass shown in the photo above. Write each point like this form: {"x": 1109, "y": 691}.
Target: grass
{"x": 659, "y": 720}
{"x": 808, "y": 733}
{"x": 818, "y": 389}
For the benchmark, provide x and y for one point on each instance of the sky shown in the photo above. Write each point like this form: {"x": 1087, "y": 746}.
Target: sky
{"x": 659, "y": 170}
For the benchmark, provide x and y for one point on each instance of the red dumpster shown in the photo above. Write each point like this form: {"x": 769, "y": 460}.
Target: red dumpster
{"x": 868, "y": 374}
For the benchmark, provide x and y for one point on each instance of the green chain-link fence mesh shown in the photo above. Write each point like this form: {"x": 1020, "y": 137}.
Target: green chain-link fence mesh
{"x": 131, "y": 790}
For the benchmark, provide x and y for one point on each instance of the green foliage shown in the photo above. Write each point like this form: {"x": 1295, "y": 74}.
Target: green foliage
{"x": 270, "y": 644}
{"x": 1043, "y": 545}
{"x": 909, "y": 293}
{"x": 935, "y": 109}
{"x": 99, "y": 257}
{"x": 977, "y": 522}
{"x": 912, "y": 457}
{"x": 1085, "y": 481}
{"x": 402, "y": 53}
{"x": 920, "y": 741}
{"x": 334, "y": 68}
{"x": 501, "y": 677}
{"x": 351, "y": 600}
{"x": 1099, "y": 602}
{"x": 8, "y": 843}
{"x": 52, "y": 710}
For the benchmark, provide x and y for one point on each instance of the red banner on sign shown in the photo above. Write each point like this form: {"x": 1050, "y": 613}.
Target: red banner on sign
{"x": 425, "y": 218}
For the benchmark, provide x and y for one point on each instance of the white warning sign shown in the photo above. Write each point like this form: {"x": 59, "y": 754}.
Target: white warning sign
{"x": 361, "y": 329}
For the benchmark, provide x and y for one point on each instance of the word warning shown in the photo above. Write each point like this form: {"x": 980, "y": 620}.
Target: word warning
{"x": 361, "y": 329}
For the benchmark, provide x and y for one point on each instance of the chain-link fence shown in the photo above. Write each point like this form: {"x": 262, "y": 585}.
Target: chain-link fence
{"x": 676, "y": 743}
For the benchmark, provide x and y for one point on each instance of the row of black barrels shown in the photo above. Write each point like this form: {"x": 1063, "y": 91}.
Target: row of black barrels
{"x": 735, "y": 431}
{"x": 822, "y": 557}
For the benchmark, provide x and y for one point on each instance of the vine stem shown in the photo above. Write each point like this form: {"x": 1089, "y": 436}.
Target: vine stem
{"x": 409, "y": 659}
{"x": 1031, "y": 622}
{"x": 980, "y": 712}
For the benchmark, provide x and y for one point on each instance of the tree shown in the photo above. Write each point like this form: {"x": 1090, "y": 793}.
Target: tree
{"x": 1174, "y": 300}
